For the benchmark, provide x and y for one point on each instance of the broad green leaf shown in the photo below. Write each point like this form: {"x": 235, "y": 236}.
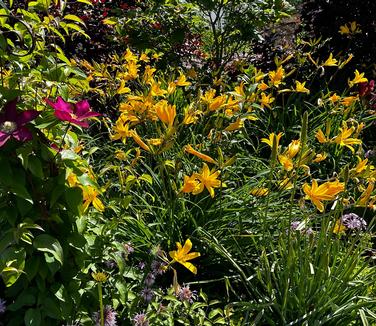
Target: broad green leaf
{"x": 46, "y": 243}
{"x": 33, "y": 317}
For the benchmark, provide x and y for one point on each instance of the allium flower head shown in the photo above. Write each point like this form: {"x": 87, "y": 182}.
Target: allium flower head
{"x": 149, "y": 279}
{"x": 147, "y": 294}
{"x": 109, "y": 317}
{"x": 185, "y": 294}
{"x": 75, "y": 113}
{"x": 158, "y": 267}
{"x": 3, "y": 307}
{"x": 12, "y": 123}
{"x": 353, "y": 222}
{"x": 140, "y": 320}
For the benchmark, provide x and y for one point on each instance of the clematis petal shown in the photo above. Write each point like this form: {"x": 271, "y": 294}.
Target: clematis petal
{"x": 26, "y": 116}
{"x": 63, "y": 115}
{"x": 10, "y": 113}
{"x": 3, "y": 138}
{"x": 82, "y": 108}
{"x": 60, "y": 105}
{"x": 22, "y": 134}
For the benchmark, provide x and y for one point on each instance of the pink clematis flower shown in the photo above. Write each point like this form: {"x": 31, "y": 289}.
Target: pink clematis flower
{"x": 75, "y": 113}
{"x": 12, "y": 123}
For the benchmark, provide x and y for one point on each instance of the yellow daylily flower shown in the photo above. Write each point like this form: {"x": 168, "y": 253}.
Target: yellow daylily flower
{"x": 293, "y": 149}
{"x": 182, "y": 81}
{"x": 155, "y": 141}
{"x": 72, "y": 180}
{"x": 217, "y": 102}
{"x": 286, "y": 162}
{"x": 122, "y": 88}
{"x": 277, "y": 76}
{"x": 191, "y": 185}
{"x": 320, "y": 157}
{"x": 334, "y": 98}
{"x": 90, "y": 197}
{"x": 259, "y": 192}
{"x": 191, "y": 115}
{"x": 130, "y": 56}
{"x": 344, "y": 63}
{"x": 171, "y": 87}
{"x": 239, "y": 90}
{"x": 359, "y": 78}
{"x": 299, "y": 87}
{"x": 132, "y": 71}
{"x": 262, "y": 86}
{"x": 339, "y": 227}
{"x": 365, "y": 196}
{"x": 189, "y": 149}
{"x": 139, "y": 141}
{"x": 121, "y": 129}
{"x": 350, "y": 28}
{"x": 208, "y": 179}
{"x": 238, "y": 124}
{"x": 144, "y": 57}
{"x": 271, "y": 139}
{"x": 361, "y": 166}
{"x": 208, "y": 96}
{"x": 330, "y": 62}
{"x": 182, "y": 255}
{"x": 156, "y": 89}
{"x": 266, "y": 100}
{"x": 324, "y": 192}
{"x": 349, "y": 100}
{"x": 343, "y": 138}
{"x": 148, "y": 74}
{"x": 321, "y": 137}
{"x": 165, "y": 112}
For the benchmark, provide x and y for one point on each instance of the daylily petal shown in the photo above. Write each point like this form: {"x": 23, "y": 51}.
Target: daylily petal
{"x": 187, "y": 246}
{"x": 190, "y": 266}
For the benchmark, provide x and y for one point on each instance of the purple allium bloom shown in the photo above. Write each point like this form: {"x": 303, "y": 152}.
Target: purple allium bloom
{"x": 109, "y": 317}
{"x": 128, "y": 248}
{"x": 141, "y": 265}
{"x": 370, "y": 153}
{"x": 185, "y": 294}
{"x": 12, "y": 123}
{"x": 158, "y": 267}
{"x": 149, "y": 279}
{"x": 73, "y": 113}
{"x": 111, "y": 264}
{"x": 353, "y": 221}
{"x": 140, "y": 320}
{"x": 295, "y": 225}
{"x": 147, "y": 294}
{"x": 3, "y": 307}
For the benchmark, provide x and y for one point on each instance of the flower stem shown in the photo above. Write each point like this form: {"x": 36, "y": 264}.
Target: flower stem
{"x": 101, "y": 303}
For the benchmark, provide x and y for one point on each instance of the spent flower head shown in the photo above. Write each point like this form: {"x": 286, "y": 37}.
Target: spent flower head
{"x": 109, "y": 317}
{"x": 140, "y": 319}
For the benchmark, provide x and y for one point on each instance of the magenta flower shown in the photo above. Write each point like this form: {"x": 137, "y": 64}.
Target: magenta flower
{"x": 12, "y": 123}
{"x": 75, "y": 113}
